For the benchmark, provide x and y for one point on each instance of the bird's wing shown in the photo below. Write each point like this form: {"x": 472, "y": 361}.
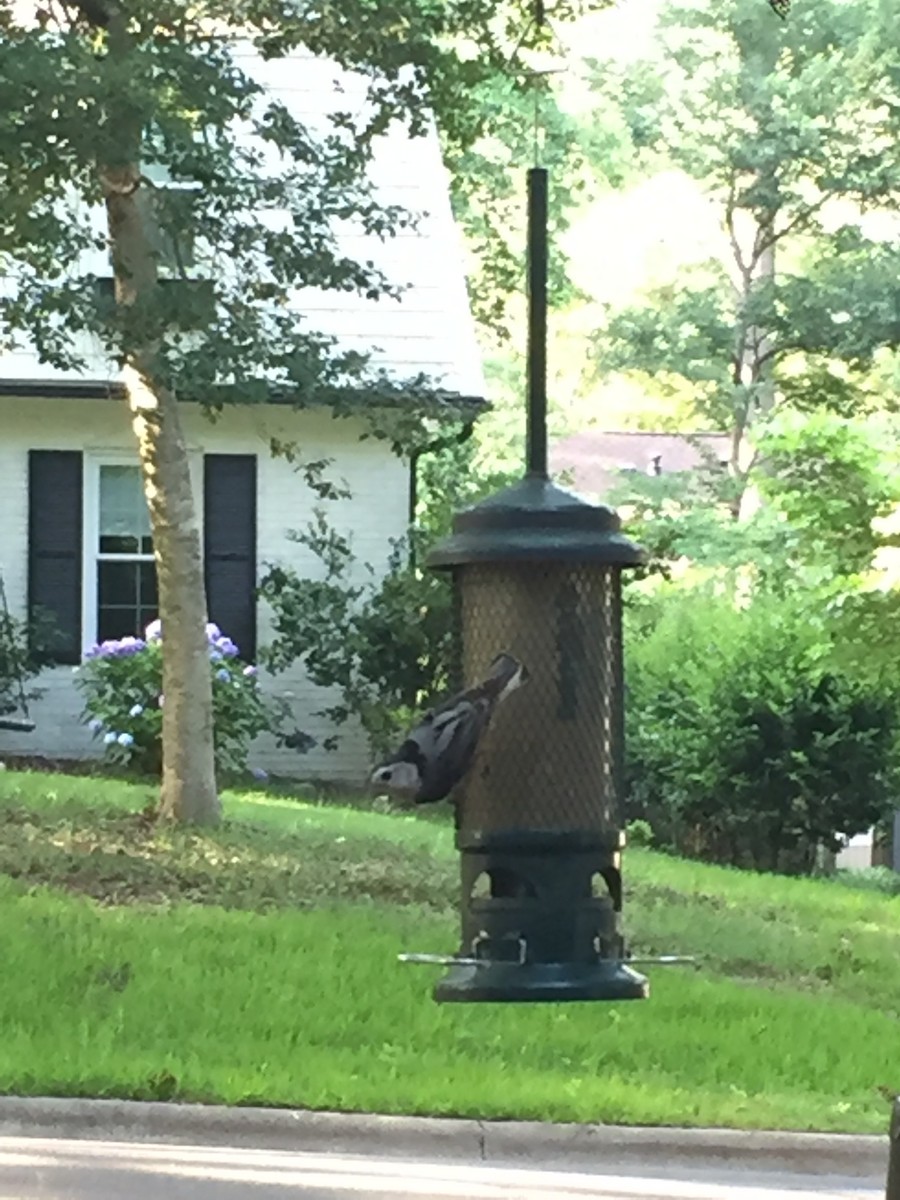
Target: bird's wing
{"x": 449, "y": 745}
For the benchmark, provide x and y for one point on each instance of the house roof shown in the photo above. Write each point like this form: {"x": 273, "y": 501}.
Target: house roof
{"x": 429, "y": 330}
{"x": 595, "y": 459}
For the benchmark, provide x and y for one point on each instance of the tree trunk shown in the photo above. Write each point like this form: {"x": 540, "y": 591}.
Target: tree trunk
{"x": 188, "y": 775}
{"x": 759, "y": 378}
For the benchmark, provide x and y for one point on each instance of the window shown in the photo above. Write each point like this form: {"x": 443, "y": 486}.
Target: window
{"x": 120, "y": 549}
{"x": 90, "y": 560}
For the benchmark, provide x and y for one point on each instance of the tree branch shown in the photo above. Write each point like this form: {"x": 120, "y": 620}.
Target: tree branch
{"x": 730, "y": 207}
{"x": 793, "y": 224}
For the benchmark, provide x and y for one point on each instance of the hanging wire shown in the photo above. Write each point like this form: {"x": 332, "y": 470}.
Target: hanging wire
{"x": 536, "y": 21}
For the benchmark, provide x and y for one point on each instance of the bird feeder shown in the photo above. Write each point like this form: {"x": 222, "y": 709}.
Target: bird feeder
{"x": 537, "y": 573}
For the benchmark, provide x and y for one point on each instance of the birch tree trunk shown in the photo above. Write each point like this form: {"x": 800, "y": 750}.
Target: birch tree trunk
{"x": 188, "y": 775}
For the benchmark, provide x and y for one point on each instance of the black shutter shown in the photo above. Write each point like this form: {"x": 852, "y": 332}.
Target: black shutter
{"x": 229, "y": 546}
{"x": 54, "y": 543}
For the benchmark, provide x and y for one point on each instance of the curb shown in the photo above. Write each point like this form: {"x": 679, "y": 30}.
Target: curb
{"x": 443, "y": 1138}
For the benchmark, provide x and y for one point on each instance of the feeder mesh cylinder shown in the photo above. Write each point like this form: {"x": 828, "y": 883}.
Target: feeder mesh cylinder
{"x": 551, "y": 760}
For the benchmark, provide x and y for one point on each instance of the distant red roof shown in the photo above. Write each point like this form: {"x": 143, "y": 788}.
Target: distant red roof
{"x": 594, "y": 460}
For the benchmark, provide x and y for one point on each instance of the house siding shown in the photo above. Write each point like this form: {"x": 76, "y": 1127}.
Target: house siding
{"x": 376, "y": 513}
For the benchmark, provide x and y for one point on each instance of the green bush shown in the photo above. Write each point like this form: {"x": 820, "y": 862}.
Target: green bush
{"x": 870, "y": 879}
{"x": 26, "y": 647}
{"x": 383, "y": 640}
{"x": 745, "y": 745}
{"x": 639, "y": 833}
{"x": 385, "y": 644}
{"x": 122, "y": 686}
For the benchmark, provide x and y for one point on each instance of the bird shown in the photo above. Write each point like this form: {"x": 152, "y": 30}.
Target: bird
{"x": 437, "y": 753}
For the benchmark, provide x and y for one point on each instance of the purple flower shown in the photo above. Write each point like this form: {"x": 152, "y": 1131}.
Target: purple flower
{"x": 121, "y": 649}
{"x": 249, "y": 672}
{"x": 153, "y": 632}
{"x": 213, "y": 632}
{"x": 95, "y": 725}
{"x": 259, "y": 774}
{"x": 222, "y": 675}
{"x": 125, "y": 739}
{"x": 227, "y": 647}
{"x": 131, "y": 645}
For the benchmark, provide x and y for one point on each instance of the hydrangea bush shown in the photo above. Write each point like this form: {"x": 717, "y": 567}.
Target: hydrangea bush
{"x": 121, "y": 682}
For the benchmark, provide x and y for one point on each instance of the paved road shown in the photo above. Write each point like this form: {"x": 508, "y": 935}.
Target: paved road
{"x": 33, "y": 1168}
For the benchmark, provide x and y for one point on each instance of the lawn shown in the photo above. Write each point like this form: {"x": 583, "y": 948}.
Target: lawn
{"x": 257, "y": 964}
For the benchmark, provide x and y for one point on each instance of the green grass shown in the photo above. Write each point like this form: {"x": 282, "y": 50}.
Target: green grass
{"x": 257, "y": 964}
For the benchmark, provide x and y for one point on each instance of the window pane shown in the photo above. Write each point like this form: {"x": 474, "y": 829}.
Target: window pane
{"x": 147, "y": 584}
{"x": 126, "y": 595}
{"x": 124, "y": 519}
{"x": 113, "y": 623}
{"x": 117, "y": 583}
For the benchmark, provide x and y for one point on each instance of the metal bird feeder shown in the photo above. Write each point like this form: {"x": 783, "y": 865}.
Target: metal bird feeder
{"x": 537, "y": 573}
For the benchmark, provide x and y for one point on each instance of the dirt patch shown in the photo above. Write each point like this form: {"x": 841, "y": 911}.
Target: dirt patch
{"x": 57, "y": 766}
{"x": 120, "y": 858}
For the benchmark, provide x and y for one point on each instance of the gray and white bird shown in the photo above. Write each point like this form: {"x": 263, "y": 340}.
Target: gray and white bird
{"x": 438, "y": 752}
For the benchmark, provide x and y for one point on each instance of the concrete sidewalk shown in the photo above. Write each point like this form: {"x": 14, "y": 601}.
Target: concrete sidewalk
{"x": 519, "y": 1143}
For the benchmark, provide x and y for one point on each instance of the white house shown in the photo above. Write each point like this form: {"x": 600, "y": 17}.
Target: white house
{"x": 68, "y": 467}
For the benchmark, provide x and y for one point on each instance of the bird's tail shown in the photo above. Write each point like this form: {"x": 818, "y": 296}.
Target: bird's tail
{"x": 505, "y": 674}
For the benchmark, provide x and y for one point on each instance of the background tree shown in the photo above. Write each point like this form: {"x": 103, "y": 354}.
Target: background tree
{"x": 790, "y": 130}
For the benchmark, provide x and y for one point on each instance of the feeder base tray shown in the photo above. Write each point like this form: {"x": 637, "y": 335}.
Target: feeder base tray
{"x": 549, "y": 982}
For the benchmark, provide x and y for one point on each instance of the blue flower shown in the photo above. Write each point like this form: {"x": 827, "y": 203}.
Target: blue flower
{"x": 135, "y": 710}
{"x": 260, "y": 774}
{"x": 215, "y": 656}
{"x": 95, "y": 725}
{"x": 110, "y": 738}
{"x": 222, "y": 675}
{"x": 125, "y": 739}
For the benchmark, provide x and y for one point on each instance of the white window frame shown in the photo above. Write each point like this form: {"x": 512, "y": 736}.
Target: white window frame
{"x": 90, "y": 529}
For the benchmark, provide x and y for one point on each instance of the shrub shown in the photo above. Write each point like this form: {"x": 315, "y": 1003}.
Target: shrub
{"x": 122, "y": 685}
{"x": 870, "y": 879}
{"x": 639, "y": 833}
{"x": 384, "y": 644}
{"x": 26, "y": 647}
{"x": 746, "y": 745}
